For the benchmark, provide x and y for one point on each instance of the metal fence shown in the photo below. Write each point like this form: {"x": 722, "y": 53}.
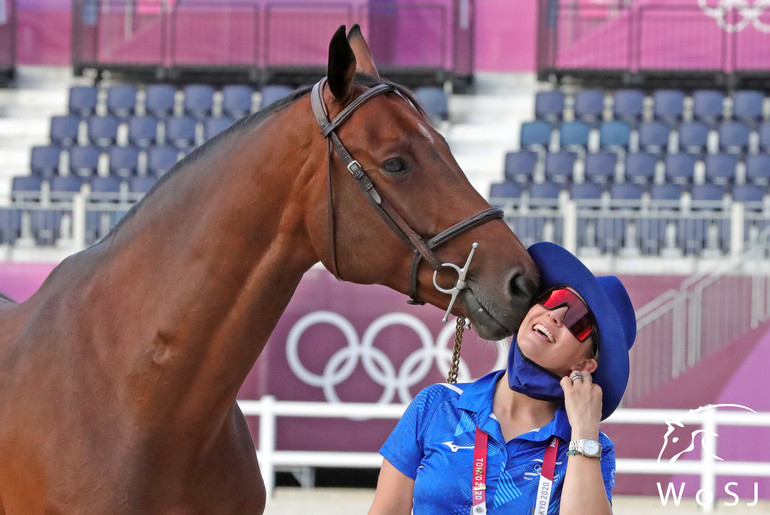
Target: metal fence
{"x": 7, "y": 39}
{"x": 413, "y": 42}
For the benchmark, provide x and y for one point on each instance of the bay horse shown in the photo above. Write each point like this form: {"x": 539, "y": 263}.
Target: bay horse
{"x": 118, "y": 377}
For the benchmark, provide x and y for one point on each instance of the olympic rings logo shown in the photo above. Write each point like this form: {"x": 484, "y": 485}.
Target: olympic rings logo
{"x": 376, "y": 364}
{"x": 750, "y": 14}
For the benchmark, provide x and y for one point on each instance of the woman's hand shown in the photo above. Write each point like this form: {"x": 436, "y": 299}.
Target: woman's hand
{"x": 583, "y": 402}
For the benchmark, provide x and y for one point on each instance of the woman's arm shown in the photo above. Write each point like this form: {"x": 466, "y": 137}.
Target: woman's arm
{"x": 394, "y": 492}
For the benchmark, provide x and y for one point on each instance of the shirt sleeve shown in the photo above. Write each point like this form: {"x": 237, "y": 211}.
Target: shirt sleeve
{"x": 404, "y": 447}
{"x": 608, "y": 463}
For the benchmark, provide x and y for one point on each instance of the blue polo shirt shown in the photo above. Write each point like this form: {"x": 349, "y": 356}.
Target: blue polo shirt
{"x": 433, "y": 444}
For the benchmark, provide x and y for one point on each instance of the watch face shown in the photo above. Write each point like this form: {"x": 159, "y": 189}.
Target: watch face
{"x": 591, "y": 447}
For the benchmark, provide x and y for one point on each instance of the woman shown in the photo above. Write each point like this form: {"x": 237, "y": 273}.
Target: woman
{"x": 471, "y": 448}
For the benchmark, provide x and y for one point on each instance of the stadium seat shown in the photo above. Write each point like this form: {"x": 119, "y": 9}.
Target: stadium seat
{"x": 84, "y": 160}
{"x": 549, "y": 106}
{"x": 520, "y": 166}
{"x": 653, "y": 137}
{"x": 693, "y": 137}
{"x": 138, "y": 186}
{"x": 747, "y": 107}
{"x": 105, "y": 189}
{"x": 764, "y": 137}
{"x": 535, "y": 135}
{"x": 628, "y": 106}
{"x": 749, "y": 194}
{"x": 668, "y": 106}
{"x": 161, "y": 159}
{"x": 181, "y": 132}
{"x": 707, "y": 193}
{"x": 10, "y": 225}
{"x": 588, "y": 197}
{"x": 99, "y": 221}
{"x": 434, "y": 100}
{"x": 599, "y": 167}
{"x": 160, "y": 100}
{"x": 143, "y": 131}
{"x": 640, "y": 168}
{"x": 734, "y": 137}
{"x": 614, "y": 135}
{"x": 502, "y": 192}
{"x": 103, "y": 130}
{"x": 574, "y": 135}
{"x": 44, "y": 160}
{"x": 758, "y": 169}
{"x": 589, "y": 106}
{"x": 124, "y": 161}
{"x": 63, "y": 188}
{"x": 121, "y": 100}
{"x": 559, "y": 167}
{"x": 65, "y": 129}
{"x": 546, "y": 193}
{"x": 213, "y": 126}
{"x": 720, "y": 168}
{"x": 585, "y": 191}
{"x": 708, "y": 106}
{"x": 237, "y": 100}
{"x": 612, "y": 226}
{"x": 26, "y": 188}
{"x": 667, "y": 194}
{"x": 198, "y": 100}
{"x": 83, "y": 100}
{"x": 272, "y": 92}
{"x": 704, "y": 228}
{"x": 680, "y": 168}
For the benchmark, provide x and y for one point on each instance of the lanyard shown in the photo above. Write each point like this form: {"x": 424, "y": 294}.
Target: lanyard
{"x": 479, "y": 481}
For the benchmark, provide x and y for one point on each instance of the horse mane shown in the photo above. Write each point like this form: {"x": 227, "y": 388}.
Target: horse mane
{"x": 369, "y": 81}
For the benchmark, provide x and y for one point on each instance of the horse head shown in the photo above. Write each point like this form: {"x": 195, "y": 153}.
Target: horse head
{"x": 396, "y": 207}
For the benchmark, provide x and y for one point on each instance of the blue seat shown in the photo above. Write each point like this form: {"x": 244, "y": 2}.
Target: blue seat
{"x": 640, "y": 168}
{"x": 559, "y": 167}
{"x": 749, "y": 194}
{"x": 64, "y": 188}
{"x": 143, "y": 131}
{"x": 706, "y": 193}
{"x": 549, "y": 106}
{"x": 181, "y": 132}
{"x": 614, "y": 135}
{"x": 105, "y": 188}
{"x": 160, "y": 100}
{"x": 667, "y": 194}
{"x": 758, "y": 169}
{"x": 10, "y": 225}
{"x": 213, "y": 126}
{"x": 44, "y": 160}
{"x": 103, "y": 130}
{"x": 720, "y": 168}
{"x": 545, "y": 191}
{"x": 502, "y": 192}
{"x": 589, "y": 106}
{"x": 161, "y": 159}
{"x": 271, "y": 93}
{"x": 82, "y": 100}
{"x": 65, "y": 129}
{"x": 138, "y": 186}
{"x": 628, "y": 106}
{"x": 124, "y": 161}
{"x": 198, "y": 100}
{"x": 708, "y": 106}
{"x": 668, "y": 106}
{"x": 26, "y": 188}
{"x": 734, "y": 137}
{"x": 121, "y": 100}
{"x": 574, "y": 135}
{"x": 701, "y": 230}
{"x": 585, "y": 191}
{"x": 747, "y": 107}
{"x": 611, "y": 228}
{"x": 98, "y": 220}
{"x": 535, "y": 135}
{"x": 654, "y": 136}
{"x": 693, "y": 137}
{"x": 520, "y": 166}
{"x": 626, "y": 191}
{"x": 764, "y": 137}
{"x": 434, "y": 100}
{"x": 84, "y": 160}
{"x": 237, "y": 100}
{"x": 600, "y": 167}
{"x": 680, "y": 168}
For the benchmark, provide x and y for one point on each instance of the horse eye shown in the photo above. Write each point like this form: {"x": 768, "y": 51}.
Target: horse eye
{"x": 395, "y": 165}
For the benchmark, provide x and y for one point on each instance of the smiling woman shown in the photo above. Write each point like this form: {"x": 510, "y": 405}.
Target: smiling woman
{"x": 473, "y": 447}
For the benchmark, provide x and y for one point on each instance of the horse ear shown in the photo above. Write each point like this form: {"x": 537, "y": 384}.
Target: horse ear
{"x": 342, "y": 65}
{"x": 364, "y": 59}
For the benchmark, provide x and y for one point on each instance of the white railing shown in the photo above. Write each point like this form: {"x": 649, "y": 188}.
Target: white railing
{"x": 268, "y": 409}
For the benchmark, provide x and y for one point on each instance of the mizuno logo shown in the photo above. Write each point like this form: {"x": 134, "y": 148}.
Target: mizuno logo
{"x": 455, "y": 448}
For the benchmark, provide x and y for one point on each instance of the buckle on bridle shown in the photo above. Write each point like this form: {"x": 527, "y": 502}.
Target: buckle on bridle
{"x": 355, "y": 169}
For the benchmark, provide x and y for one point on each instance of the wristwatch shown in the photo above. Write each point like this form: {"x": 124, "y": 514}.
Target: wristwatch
{"x": 587, "y": 447}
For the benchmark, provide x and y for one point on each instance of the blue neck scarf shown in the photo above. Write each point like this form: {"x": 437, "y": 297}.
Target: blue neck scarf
{"x": 527, "y": 377}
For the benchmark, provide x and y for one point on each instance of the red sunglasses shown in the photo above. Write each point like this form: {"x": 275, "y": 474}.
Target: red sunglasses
{"x": 578, "y": 319}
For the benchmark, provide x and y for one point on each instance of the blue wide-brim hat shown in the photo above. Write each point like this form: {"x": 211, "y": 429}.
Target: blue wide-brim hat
{"x": 611, "y": 306}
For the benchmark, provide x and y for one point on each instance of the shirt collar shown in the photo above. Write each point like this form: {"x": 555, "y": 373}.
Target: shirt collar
{"x": 478, "y": 398}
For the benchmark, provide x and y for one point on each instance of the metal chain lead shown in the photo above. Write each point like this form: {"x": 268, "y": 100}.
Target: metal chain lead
{"x": 455, "y": 363}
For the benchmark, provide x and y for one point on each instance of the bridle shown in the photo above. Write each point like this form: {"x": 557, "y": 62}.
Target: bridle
{"x": 422, "y": 249}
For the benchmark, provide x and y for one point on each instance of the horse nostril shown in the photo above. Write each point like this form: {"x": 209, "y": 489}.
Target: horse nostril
{"x": 521, "y": 286}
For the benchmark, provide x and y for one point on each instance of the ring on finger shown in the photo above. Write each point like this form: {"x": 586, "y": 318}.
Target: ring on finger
{"x": 576, "y": 376}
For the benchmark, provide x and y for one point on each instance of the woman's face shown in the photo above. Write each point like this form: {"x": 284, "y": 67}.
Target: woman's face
{"x": 544, "y": 339}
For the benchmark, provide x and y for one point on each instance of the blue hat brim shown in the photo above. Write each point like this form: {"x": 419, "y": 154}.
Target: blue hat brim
{"x": 559, "y": 267}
